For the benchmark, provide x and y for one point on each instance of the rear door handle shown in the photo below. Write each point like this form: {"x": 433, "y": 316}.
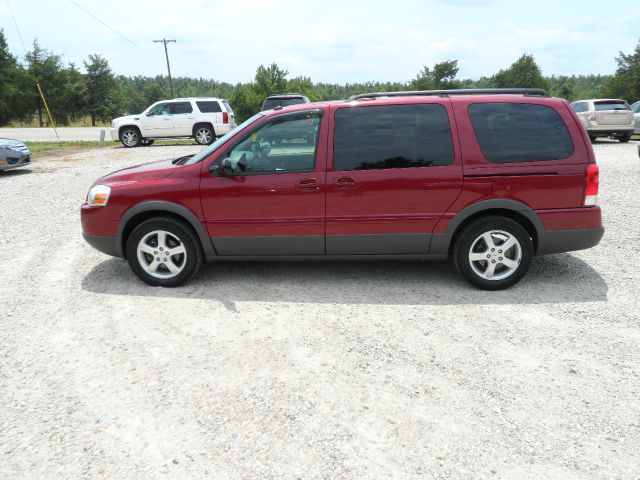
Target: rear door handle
{"x": 307, "y": 185}
{"x": 345, "y": 183}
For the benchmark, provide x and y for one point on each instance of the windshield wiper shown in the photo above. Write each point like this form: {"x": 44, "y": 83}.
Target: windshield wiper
{"x": 181, "y": 160}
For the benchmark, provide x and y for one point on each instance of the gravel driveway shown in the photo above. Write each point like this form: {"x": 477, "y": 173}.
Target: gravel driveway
{"x": 311, "y": 370}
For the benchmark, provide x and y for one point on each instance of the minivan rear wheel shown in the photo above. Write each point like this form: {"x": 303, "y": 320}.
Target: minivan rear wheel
{"x": 493, "y": 253}
{"x": 164, "y": 251}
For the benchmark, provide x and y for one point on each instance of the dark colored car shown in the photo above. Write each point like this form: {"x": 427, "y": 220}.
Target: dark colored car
{"x": 490, "y": 178}
{"x": 13, "y": 153}
{"x": 283, "y": 100}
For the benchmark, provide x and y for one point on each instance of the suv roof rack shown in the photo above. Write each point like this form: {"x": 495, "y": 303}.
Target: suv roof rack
{"x": 533, "y": 92}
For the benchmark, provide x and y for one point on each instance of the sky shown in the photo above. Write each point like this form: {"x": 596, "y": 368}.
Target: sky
{"x": 330, "y": 40}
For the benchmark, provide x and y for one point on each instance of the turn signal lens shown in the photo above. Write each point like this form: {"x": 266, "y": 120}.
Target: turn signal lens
{"x": 593, "y": 182}
{"x": 98, "y": 196}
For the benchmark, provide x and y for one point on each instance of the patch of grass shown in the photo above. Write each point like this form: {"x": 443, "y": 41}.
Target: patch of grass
{"x": 43, "y": 148}
{"x": 40, "y": 147}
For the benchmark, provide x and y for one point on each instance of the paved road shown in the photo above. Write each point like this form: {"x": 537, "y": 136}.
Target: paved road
{"x": 48, "y": 135}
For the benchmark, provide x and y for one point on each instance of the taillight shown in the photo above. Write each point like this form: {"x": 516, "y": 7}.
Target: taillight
{"x": 591, "y": 189}
{"x": 225, "y": 117}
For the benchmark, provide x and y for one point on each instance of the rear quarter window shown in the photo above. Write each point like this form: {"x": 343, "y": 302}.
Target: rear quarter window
{"x": 209, "y": 107}
{"x": 520, "y": 132}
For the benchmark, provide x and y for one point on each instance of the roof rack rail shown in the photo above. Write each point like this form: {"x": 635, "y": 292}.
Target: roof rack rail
{"x": 533, "y": 92}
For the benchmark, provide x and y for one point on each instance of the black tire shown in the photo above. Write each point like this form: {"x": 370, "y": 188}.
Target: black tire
{"x": 130, "y": 137}
{"x": 174, "y": 229}
{"x": 204, "y": 134}
{"x": 470, "y": 238}
{"x": 592, "y": 138}
{"x": 624, "y": 138}
{"x": 146, "y": 142}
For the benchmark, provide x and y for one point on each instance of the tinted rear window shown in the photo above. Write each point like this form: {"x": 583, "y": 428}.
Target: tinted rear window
{"x": 519, "y": 132}
{"x": 270, "y": 103}
{"x": 611, "y": 106}
{"x": 209, "y": 107}
{"x": 181, "y": 107}
{"x": 393, "y": 136}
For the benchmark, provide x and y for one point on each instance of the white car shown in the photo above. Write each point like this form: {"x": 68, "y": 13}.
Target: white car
{"x": 203, "y": 119}
{"x": 605, "y": 117}
{"x": 636, "y": 114}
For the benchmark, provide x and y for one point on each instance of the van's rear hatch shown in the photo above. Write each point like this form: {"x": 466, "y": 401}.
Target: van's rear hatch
{"x": 612, "y": 112}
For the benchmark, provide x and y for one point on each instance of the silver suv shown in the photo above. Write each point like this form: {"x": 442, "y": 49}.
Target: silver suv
{"x": 200, "y": 118}
{"x": 636, "y": 114}
{"x": 605, "y": 117}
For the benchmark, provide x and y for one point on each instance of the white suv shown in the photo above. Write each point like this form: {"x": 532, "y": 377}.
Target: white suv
{"x": 605, "y": 117}
{"x": 203, "y": 119}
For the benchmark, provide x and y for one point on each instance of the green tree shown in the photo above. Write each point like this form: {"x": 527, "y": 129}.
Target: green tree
{"x": 15, "y": 102}
{"x": 45, "y": 68}
{"x": 523, "y": 73}
{"x": 270, "y": 80}
{"x": 626, "y": 82}
{"x": 441, "y": 77}
{"x": 104, "y": 96}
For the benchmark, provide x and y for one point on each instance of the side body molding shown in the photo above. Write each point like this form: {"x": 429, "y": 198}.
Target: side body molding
{"x": 169, "y": 207}
{"x": 440, "y": 242}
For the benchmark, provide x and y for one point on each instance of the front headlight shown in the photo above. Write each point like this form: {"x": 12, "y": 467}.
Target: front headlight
{"x": 98, "y": 196}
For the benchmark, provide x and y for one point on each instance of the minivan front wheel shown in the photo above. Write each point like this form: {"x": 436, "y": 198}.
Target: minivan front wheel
{"x": 163, "y": 251}
{"x": 493, "y": 253}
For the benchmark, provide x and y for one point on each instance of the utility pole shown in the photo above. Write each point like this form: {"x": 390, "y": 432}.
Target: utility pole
{"x": 166, "y": 53}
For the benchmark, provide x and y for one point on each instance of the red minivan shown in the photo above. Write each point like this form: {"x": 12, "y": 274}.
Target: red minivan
{"x": 489, "y": 178}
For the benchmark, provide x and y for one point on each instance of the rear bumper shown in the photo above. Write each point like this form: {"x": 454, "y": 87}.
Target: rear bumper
{"x": 610, "y": 130}
{"x": 104, "y": 244}
{"x": 558, "y": 241}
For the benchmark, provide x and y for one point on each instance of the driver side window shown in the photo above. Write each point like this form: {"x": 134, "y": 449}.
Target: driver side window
{"x": 160, "y": 109}
{"x": 282, "y": 145}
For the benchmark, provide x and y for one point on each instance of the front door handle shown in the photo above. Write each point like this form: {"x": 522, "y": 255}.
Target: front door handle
{"x": 345, "y": 183}
{"x": 307, "y": 185}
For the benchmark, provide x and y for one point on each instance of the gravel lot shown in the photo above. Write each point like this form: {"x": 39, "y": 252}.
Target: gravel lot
{"x": 311, "y": 370}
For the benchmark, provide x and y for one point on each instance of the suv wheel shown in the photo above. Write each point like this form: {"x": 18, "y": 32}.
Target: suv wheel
{"x": 204, "y": 134}
{"x": 624, "y": 138}
{"x": 493, "y": 253}
{"x": 592, "y": 138}
{"x": 164, "y": 252}
{"x": 130, "y": 137}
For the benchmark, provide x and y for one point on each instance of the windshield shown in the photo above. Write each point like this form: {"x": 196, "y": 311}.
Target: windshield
{"x": 222, "y": 140}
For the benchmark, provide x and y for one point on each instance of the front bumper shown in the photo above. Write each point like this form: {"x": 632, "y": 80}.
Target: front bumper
{"x": 13, "y": 162}
{"x": 114, "y": 134}
{"x": 104, "y": 244}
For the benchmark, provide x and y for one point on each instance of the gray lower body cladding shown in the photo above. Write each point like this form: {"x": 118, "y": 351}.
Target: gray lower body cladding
{"x": 357, "y": 247}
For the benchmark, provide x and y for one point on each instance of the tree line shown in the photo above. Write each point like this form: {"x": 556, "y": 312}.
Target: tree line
{"x": 101, "y": 95}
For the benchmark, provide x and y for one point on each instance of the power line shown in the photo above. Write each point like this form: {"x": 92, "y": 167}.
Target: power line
{"x": 112, "y": 29}
{"x": 165, "y": 41}
{"x": 17, "y": 29}
{"x": 136, "y": 28}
